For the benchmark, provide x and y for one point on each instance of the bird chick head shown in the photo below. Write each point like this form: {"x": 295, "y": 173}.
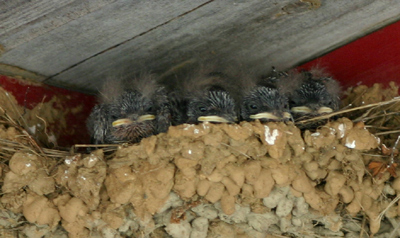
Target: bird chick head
{"x": 265, "y": 103}
{"x": 129, "y": 111}
{"x": 214, "y": 104}
{"x": 314, "y": 96}
{"x": 132, "y": 117}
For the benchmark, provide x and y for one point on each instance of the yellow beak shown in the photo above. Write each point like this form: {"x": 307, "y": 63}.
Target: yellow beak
{"x": 325, "y": 110}
{"x": 121, "y": 122}
{"x": 301, "y": 109}
{"x": 264, "y": 115}
{"x": 212, "y": 119}
{"x": 147, "y": 117}
{"x": 125, "y": 121}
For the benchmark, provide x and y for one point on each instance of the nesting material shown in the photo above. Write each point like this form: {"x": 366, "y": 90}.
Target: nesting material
{"x": 208, "y": 180}
{"x": 45, "y": 121}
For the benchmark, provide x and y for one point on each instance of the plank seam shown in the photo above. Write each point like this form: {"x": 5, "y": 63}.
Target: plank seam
{"x": 126, "y": 41}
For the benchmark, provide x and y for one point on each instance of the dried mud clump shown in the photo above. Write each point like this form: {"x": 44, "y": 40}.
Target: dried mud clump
{"x": 381, "y": 120}
{"x": 208, "y": 180}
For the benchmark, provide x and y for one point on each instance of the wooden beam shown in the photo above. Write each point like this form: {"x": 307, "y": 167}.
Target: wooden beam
{"x": 22, "y": 21}
{"x": 87, "y": 33}
{"x": 258, "y": 33}
{"x": 125, "y": 37}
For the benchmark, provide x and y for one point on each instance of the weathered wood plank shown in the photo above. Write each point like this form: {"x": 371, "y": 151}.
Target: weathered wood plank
{"x": 125, "y": 37}
{"x": 14, "y": 13}
{"x": 24, "y": 20}
{"x": 258, "y": 33}
{"x": 89, "y": 34}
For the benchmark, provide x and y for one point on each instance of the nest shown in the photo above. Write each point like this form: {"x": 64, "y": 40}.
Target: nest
{"x": 208, "y": 180}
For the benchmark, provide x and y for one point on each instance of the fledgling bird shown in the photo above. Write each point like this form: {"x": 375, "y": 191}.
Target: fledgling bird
{"x": 262, "y": 100}
{"x": 202, "y": 95}
{"x": 311, "y": 93}
{"x": 211, "y": 102}
{"x": 129, "y": 111}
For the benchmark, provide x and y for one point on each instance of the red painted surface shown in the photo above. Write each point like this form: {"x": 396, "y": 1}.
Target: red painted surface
{"x": 31, "y": 94}
{"x": 368, "y": 60}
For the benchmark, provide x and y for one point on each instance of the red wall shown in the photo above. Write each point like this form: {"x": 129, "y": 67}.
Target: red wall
{"x": 31, "y": 94}
{"x": 370, "y": 59}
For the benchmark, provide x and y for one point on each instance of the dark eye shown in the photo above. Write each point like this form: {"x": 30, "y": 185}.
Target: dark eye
{"x": 252, "y": 106}
{"x": 291, "y": 102}
{"x": 149, "y": 109}
{"x": 202, "y": 109}
{"x": 286, "y": 106}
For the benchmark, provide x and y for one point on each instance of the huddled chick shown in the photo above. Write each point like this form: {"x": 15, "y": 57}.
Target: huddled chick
{"x": 202, "y": 95}
{"x": 129, "y": 111}
{"x": 208, "y": 99}
{"x": 262, "y": 100}
{"x": 310, "y": 93}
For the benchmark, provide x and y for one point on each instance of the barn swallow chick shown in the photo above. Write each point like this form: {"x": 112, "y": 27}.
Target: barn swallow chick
{"x": 199, "y": 92}
{"x": 310, "y": 93}
{"x": 209, "y": 100}
{"x": 129, "y": 111}
{"x": 262, "y": 100}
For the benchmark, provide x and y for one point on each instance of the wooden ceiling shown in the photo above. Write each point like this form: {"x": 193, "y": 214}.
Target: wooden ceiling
{"x": 76, "y": 44}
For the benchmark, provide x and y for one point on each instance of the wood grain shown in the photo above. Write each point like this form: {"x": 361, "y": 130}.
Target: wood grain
{"x": 122, "y": 38}
{"x": 81, "y": 38}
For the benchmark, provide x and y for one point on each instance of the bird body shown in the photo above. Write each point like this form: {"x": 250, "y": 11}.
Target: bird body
{"x": 262, "y": 100}
{"x": 212, "y": 103}
{"x": 310, "y": 93}
{"x": 201, "y": 95}
{"x": 129, "y": 111}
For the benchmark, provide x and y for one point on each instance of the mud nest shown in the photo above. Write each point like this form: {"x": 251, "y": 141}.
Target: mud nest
{"x": 242, "y": 180}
